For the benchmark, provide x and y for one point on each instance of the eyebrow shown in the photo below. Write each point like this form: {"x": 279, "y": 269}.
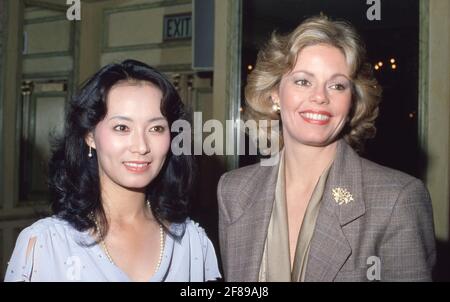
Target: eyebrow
{"x": 312, "y": 75}
{"x": 120, "y": 117}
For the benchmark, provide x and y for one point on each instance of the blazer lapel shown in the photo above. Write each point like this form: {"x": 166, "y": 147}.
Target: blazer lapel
{"x": 329, "y": 247}
{"x": 251, "y": 222}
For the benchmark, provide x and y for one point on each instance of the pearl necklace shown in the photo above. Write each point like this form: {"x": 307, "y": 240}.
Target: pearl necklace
{"x": 103, "y": 244}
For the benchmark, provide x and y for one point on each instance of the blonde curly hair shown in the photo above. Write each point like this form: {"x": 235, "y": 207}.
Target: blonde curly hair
{"x": 279, "y": 56}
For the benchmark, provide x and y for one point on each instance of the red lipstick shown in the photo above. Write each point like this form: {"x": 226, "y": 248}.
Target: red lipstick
{"x": 316, "y": 117}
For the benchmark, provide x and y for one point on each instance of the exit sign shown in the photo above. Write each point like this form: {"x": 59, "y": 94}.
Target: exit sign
{"x": 177, "y": 27}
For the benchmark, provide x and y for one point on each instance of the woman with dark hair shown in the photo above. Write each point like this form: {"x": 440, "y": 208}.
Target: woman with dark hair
{"x": 119, "y": 194}
{"x": 322, "y": 213}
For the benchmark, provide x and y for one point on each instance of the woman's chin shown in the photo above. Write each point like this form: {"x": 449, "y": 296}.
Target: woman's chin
{"x": 316, "y": 141}
{"x": 136, "y": 187}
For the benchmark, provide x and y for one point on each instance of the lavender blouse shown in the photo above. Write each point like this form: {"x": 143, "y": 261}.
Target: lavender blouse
{"x": 61, "y": 253}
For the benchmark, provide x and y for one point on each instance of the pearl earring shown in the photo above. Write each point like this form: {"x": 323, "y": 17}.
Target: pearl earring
{"x": 276, "y": 108}
{"x": 90, "y": 152}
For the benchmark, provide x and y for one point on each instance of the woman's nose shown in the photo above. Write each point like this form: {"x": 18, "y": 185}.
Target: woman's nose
{"x": 140, "y": 143}
{"x": 320, "y": 95}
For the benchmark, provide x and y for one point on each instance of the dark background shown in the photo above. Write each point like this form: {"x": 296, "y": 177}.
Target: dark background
{"x": 396, "y": 35}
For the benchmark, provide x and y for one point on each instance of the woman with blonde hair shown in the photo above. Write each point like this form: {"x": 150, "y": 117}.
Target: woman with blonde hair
{"x": 322, "y": 213}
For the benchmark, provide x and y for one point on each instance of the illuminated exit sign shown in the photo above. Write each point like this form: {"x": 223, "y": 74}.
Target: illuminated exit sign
{"x": 177, "y": 27}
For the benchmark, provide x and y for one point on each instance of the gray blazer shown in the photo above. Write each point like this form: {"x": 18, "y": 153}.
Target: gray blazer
{"x": 386, "y": 233}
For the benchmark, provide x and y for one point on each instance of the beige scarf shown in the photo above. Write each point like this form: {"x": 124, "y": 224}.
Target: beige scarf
{"x": 276, "y": 264}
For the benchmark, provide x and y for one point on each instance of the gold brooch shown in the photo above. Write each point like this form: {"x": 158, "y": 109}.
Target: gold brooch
{"x": 341, "y": 196}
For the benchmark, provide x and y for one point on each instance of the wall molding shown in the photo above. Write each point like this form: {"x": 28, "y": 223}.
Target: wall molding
{"x": 46, "y": 5}
{"x": 174, "y": 68}
{"x": 68, "y": 52}
{"x": 46, "y": 75}
{"x": 45, "y": 20}
{"x": 424, "y": 40}
{"x": 233, "y": 73}
{"x": 29, "y": 160}
{"x": 39, "y": 76}
{"x": 40, "y": 55}
{"x": 165, "y": 45}
{"x": 4, "y": 39}
{"x": 137, "y": 7}
{"x": 434, "y": 99}
{"x": 14, "y": 69}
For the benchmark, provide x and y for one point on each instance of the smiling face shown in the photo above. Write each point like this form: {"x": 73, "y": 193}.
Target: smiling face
{"x": 133, "y": 139}
{"x": 315, "y": 96}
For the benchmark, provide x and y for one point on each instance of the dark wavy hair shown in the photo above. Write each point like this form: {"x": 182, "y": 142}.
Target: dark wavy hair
{"x": 73, "y": 177}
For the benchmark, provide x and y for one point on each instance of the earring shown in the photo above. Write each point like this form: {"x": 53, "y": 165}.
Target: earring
{"x": 90, "y": 152}
{"x": 276, "y": 108}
